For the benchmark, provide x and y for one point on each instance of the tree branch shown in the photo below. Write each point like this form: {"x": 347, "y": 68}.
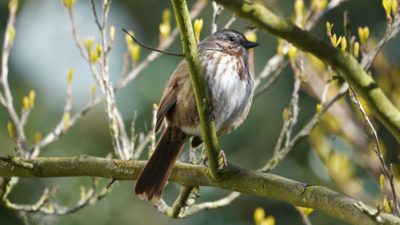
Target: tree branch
{"x": 362, "y": 82}
{"x": 234, "y": 179}
{"x": 203, "y": 103}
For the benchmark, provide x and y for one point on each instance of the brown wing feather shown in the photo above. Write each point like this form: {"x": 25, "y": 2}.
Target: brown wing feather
{"x": 169, "y": 98}
{"x": 167, "y": 104}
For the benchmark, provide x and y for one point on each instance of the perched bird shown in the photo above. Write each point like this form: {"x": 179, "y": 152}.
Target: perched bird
{"x": 223, "y": 59}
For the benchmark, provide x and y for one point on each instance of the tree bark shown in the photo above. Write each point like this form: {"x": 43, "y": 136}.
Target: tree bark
{"x": 233, "y": 178}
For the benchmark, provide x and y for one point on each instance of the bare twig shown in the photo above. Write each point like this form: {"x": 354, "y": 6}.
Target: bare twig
{"x": 96, "y": 18}
{"x": 6, "y": 98}
{"x": 230, "y": 21}
{"x": 181, "y": 201}
{"x": 149, "y": 138}
{"x": 210, "y": 205}
{"x": 273, "y": 71}
{"x": 304, "y": 132}
{"x": 290, "y": 115}
{"x": 151, "y": 48}
{"x": 373, "y": 136}
{"x": 392, "y": 29}
{"x": 217, "y": 10}
{"x": 45, "y": 206}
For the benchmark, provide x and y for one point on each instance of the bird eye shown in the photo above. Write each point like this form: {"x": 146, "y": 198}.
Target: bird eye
{"x": 231, "y": 39}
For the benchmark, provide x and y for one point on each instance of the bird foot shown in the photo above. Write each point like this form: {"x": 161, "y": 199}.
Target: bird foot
{"x": 222, "y": 161}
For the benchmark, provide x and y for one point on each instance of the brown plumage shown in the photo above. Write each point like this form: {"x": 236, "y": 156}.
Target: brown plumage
{"x": 223, "y": 58}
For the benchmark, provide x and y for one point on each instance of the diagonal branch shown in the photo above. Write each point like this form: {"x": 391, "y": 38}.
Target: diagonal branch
{"x": 234, "y": 179}
{"x": 208, "y": 131}
{"x": 352, "y": 71}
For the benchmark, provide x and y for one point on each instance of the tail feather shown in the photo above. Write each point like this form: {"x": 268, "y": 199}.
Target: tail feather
{"x": 152, "y": 180}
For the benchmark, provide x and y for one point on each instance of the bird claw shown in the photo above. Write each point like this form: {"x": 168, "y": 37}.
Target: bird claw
{"x": 222, "y": 161}
{"x": 195, "y": 119}
{"x": 210, "y": 117}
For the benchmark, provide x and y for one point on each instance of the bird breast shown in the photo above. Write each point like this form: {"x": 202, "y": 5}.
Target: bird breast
{"x": 231, "y": 90}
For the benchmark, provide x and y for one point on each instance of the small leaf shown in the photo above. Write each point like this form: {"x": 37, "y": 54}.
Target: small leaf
{"x": 88, "y": 43}
{"x": 25, "y": 103}
{"x": 98, "y": 50}
{"x": 270, "y": 220}
{"x": 32, "y": 98}
{"x": 259, "y": 215}
{"x": 318, "y": 107}
{"x": 10, "y": 129}
{"x": 251, "y": 35}
{"x": 363, "y": 34}
{"x": 394, "y": 8}
{"x": 198, "y": 26}
{"x": 165, "y": 26}
{"x": 70, "y": 75}
{"x": 93, "y": 57}
{"x": 387, "y": 6}
{"x": 37, "y": 137}
{"x": 11, "y": 34}
{"x": 343, "y": 44}
{"x": 69, "y": 4}
{"x": 292, "y": 54}
{"x": 112, "y": 33}
{"x": 328, "y": 27}
{"x": 299, "y": 7}
{"x": 67, "y": 120}
{"x": 13, "y": 5}
{"x": 356, "y": 49}
{"x": 382, "y": 182}
{"x": 279, "y": 49}
{"x": 304, "y": 210}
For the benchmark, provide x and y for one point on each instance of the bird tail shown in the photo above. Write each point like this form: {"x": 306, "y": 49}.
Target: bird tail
{"x": 152, "y": 180}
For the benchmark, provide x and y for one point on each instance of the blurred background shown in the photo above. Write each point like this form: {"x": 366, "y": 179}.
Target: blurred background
{"x": 44, "y": 50}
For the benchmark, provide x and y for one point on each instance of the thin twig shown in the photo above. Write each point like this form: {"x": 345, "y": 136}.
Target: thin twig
{"x": 181, "y": 201}
{"x": 392, "y": 29}
{"x": 291, "y": 112}
{"x": 373, "y": 136}
{"x": 217, "y": 10}
{"x": 96, "y": 18}
{"x": 230, "y": 21}
{"x": 304, "y": 132}
{"x": 210, "y": 205}
{"x": 7, "y": 97}
{"x": 274, "y": 71}
{"x": 151, "y": 48}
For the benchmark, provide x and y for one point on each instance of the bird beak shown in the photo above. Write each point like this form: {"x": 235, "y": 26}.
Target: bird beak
{"x": 249, "y": 44}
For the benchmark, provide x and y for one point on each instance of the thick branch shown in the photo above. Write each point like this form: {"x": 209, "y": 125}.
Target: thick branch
{"x": 234, "y": 179}
{"x": 362, "y": 82}
{"x": 203, "y": 104}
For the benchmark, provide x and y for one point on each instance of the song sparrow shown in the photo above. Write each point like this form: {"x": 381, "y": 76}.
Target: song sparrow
{"x": 223, "y": 58}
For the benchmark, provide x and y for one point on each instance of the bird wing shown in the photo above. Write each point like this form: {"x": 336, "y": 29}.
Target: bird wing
{"x": 170, "y": 96}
